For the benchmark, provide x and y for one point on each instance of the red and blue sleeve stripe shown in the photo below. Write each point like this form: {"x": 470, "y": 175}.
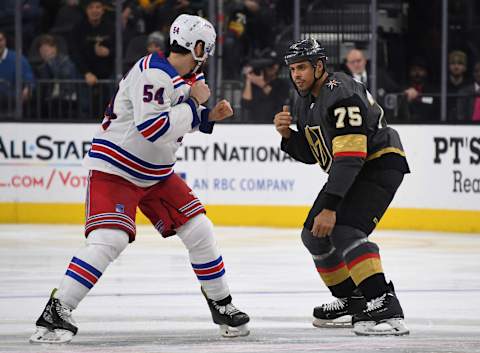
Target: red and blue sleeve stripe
{"x": 155, "y": 128}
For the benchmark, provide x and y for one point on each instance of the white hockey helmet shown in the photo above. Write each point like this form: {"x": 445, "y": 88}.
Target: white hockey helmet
{"x": 188, "y": 30}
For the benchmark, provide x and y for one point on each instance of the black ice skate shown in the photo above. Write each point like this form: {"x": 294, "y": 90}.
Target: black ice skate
{"x": 383, "y": 316}
{"x": 56, "y": 324}
{"x": 339, "y": 312}
{"x": 232, "y": 322}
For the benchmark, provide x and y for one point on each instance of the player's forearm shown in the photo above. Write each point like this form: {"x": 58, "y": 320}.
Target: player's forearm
{"x": 341, "y": 177}
{"x": 247, "y": 91}
{"x": 297, "y": 148}
{"x": 205, "y": 126}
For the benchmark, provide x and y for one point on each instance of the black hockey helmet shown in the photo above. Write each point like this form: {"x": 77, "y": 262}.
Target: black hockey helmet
{"x": 305, "y": 49}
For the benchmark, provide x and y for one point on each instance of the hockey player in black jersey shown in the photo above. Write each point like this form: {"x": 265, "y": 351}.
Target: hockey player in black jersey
{"x": 341, "y": 127}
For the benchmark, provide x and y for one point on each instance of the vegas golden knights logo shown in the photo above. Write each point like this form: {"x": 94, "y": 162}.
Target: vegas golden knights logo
{"x": 318, "y": 146}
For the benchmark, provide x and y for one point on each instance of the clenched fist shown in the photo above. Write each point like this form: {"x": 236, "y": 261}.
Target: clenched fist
{"x": 200, "y": 92}
{"x": 282, "y": 122}
{"x": 221, "y": 111}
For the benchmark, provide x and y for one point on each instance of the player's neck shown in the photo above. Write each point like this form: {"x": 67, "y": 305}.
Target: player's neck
{"x": 181, "y": 63}
{"x": 318, "y": 85}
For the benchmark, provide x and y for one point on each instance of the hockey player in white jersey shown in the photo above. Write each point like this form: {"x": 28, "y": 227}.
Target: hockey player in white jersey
{"x": 131, "y": 165}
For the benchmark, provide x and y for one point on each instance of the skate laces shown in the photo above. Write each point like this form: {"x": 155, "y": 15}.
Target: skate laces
{"x": 376, "y": 303}
{"x": 228, "y": 309}
{"x": 231, "y": 310}
{"x": 64, "y": 311}
{"x": 335, "y": 305}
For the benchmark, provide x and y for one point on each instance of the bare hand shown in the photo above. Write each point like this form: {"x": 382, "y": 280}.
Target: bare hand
{"x": 91, "y": 79}
{"x": 25, "y": 94}
{"x": 200, "y": 92}
{"x": 101, "y": 50}
{"x": 411, "y": 94}
{"x": 221, "y": 111}
{"x": 282, "y": 122}
{"x": 323, "y": 223}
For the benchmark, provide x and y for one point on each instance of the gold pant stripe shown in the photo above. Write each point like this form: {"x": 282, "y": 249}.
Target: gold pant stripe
{"x": 385, "y": 151}
{"x": 366, "y": 269}
{"x": 335, "y": 277}
{"x": 349, "y": 143}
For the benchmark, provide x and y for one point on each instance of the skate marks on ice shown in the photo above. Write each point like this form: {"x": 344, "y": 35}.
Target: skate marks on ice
{"x": 261, "y": 340}
{"x": 149, "y": 300}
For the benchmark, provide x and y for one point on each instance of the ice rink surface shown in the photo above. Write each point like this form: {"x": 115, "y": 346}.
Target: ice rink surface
{"x": 149, "y": 300}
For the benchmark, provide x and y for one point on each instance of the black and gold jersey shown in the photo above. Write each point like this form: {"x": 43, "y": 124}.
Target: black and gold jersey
{"x": 343, "y": 130}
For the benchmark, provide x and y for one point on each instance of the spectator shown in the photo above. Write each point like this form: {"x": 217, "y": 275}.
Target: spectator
{"x": 264, "y": 93}
{"x": 68, "y": 16}
{"x": 422, "y": 105}
{"x": 93, "y": 44}
{"x": 164, "y": 13}
{"x": 156, "y": 42}
{"x": 469, "y": 104}
{"x": 356, "y": 64}
{"x": 56, "y": 66}
{"x": 148, "y": 8}
{"x": 92, "y": 48}
{"x": 457, "y": 67}
{"x": 49, "y": 10}
{"x": 7, "y": 74}
{"x": 150, "y": 5}
{"x": 260, "y": 24}
{"x": 31, "y": 15}
{"x": 235, "y": 45}
{"x": 133, "y": 22}
{"x": 250, "y": 30}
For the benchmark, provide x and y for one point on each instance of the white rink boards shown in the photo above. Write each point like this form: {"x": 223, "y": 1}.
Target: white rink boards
{"x": 148, "y": 300}
{"x": 243, "y": 178}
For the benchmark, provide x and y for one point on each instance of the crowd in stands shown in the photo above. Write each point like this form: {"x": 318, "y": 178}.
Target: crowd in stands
{"x": 71, "y": 45}
{"x": 419, "y": 98}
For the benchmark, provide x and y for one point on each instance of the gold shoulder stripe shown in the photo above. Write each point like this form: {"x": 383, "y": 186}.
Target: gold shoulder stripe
{"x": 349, "y": 143}
{"x": 385, "y": 151}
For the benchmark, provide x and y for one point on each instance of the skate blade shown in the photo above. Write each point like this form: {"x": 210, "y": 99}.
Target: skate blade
{"x": 344, "y": 321}
{"x": 231, "y": 332}
{"x": 391, "y": 327}
{"x": 44, "y": 335}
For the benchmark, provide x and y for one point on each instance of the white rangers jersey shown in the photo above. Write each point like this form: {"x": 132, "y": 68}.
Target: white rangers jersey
{"x": 145, "y": 122}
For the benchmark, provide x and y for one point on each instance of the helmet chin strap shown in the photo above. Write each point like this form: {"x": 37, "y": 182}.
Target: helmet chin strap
{"x": 199, "y": 61}
{"x": 197, "y": 69}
